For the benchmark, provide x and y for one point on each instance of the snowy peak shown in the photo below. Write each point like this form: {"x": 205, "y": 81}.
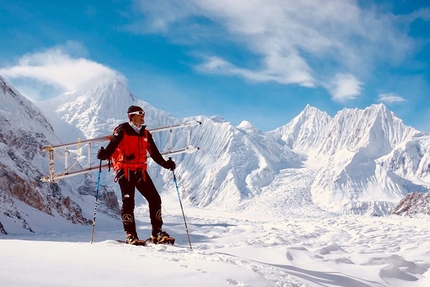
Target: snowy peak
{"x": 19, "y": 118}
{"x": 14, "y": 104}
{"x": 304, "y": 131}
{"x": 102, "y": 95}
{"x": 248, "y": 127}
{"x": 88, "y": 107}
{"x": 309, "y": 111}
{"x": 95, "y": 108}
{"x": 374, "y": 131}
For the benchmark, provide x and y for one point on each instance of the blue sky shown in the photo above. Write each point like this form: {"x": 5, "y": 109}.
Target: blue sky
{"x": 256, "y": 60}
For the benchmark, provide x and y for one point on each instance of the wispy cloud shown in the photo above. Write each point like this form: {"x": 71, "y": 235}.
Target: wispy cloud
{"x": 390, "y": 98}
{"x": 217, "y": 65}
{"x": 296, "y": 42}
{"x": 58, "y": 67}
{"x": 344, "y": 87}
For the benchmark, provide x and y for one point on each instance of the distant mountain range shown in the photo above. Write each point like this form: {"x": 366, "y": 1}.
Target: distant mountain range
{"x": 357, "y": 162}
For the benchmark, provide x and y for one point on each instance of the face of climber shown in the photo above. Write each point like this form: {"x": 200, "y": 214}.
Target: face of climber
{"x": 137, "y": 117}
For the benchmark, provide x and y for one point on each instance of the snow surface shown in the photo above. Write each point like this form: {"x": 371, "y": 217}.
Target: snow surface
{"x": 227, "y": 250}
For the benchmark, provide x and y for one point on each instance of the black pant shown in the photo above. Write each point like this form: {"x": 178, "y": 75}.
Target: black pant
{"x": 146, "y": 187}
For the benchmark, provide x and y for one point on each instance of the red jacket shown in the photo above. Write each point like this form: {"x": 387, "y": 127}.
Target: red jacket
{"x": 128, "y": 149}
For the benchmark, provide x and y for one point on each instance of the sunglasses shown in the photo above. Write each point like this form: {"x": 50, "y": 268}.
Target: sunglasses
{"x": 137, "y": 113}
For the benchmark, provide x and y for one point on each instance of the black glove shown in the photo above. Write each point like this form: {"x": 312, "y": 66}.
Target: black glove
{"x": 102, "y": 154}
{"x": 170, "y": 164}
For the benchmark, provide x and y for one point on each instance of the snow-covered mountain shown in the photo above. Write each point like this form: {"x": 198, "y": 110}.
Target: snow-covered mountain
{"x": 24, "y": 131}
{"x": 359, "y": 161}
{"x": 353, "y": 151}
{"x": 94, "y": 109}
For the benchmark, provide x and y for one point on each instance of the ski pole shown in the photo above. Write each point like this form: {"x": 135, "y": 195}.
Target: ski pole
{"x": 180, "y": 202}
{"x": 95, "y": 204}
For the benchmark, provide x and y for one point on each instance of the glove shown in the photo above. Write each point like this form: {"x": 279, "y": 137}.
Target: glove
{"x": 102, "y": 154}
{"x": 170, "y": 164}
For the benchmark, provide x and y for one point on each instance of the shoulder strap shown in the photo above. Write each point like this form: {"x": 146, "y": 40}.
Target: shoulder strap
{"x": 117, "y": 129}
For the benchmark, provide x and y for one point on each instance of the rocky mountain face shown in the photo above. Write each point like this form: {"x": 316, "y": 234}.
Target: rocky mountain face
{"x": 357, "y": 162}
{"x": 413, "y": 204}
{"x": 23, "y": 132}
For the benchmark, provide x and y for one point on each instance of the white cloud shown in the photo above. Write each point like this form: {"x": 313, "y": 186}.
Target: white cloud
{"x": 58, "y": 68}
{"x": 294, "y": 42}
{"x": 390, "y": 98}
{"x": 219, "y": 66}
{"x": 344, "y": 87}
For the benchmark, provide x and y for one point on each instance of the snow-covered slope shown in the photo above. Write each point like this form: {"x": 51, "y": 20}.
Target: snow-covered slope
{"x": 233, "y": 164}
{"x": 23, "y": 132}
{"x": 348, "y": 163}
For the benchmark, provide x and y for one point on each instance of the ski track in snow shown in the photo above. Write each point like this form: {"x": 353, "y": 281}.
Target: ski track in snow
{"x": 243, "y": 250}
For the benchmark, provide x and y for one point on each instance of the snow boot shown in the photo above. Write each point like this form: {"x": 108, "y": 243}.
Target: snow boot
{"x": 161, "y": 237}
{"x": 133, "y": 240}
